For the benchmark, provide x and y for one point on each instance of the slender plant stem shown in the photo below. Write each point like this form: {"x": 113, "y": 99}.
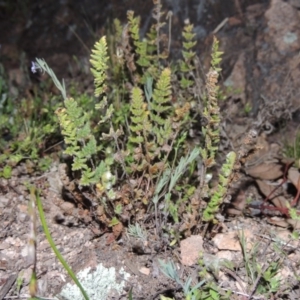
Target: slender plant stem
{"x": 57, "y": 253}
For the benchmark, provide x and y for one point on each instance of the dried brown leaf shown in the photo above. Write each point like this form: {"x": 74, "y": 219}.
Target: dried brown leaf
{"x": 239, "y": 202}
{"x": 234, "y": 212}
{"x": 278, "y": 222}
{"x": 294, "y": 223}
{"x": 277, "y": 199}
{"x": 117, "y": 230}
{"x": 294, "y": 176}
{"x": 266, "y": 171}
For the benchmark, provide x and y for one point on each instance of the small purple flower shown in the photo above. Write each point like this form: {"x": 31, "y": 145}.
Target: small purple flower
{"x": 34, "y": 67}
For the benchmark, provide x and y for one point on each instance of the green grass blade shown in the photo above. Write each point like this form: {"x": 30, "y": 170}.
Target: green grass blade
{"x": 52, "y": 244}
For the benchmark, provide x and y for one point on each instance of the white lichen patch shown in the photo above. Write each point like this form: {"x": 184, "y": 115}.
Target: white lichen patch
{"x": 97, "y": 284}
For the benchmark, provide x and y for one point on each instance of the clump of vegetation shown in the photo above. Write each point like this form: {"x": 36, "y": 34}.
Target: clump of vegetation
{"x": 150, "y": 161}
{"x": 262, "y": 278}
{"x": 137, "y": 157}
{"x": 26, "y": 124}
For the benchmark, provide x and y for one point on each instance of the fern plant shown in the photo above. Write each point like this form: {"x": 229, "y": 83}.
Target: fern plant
{"x": 147, "y": 114}
{"x": 79, "y": 139}
{"x": 144, "y": 129}
{"x": 140, "y": 143}
{"x": 81, "y": 143}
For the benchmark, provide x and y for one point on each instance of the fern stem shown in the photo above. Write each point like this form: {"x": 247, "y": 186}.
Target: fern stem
{"x": 158, "y": 12}
{"x": 169, "y": 17}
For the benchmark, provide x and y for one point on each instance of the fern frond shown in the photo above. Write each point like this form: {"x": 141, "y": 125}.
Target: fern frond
{"x": 156, "y": 119}
{"x": 99, "y": 64}
{"x": 74, "y": 123}
{"x": 79, "y": 163}
{"x": 118, "y": 29}
{"x": 81, "y": 144}
{"x": 182, "y": 113}
{"x": 161, "y": 108}
{"x": 139, "y": 116}
{"x": 188, "y": 35}
{"x": 219, "y": 194}
{"x": 140, "y": 46}
{"x": 134, "y": 23}
{"x": 136, "y": 139}
{"x": 152, "y": 41}
{"x": 216, "y": 56}
{"x": 140, "y": 128}
{"x": 87, "y": 177}
{"x": 84, "y": 132}
{"x": 68, "y": 127}
{"x": 186, "y": 65}
{"x": 99, "y": 171}
{"x": 157, "y": 14}
{"x": 212, "y": 113}
{"x": 189, "y": 42}
{"x": 163, "y": 132}
{"x": 90, "y": 148}
{"x": 162, "y": 93}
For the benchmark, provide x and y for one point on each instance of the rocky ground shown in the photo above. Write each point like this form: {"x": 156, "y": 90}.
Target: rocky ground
{"x": 261, "y": 42}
